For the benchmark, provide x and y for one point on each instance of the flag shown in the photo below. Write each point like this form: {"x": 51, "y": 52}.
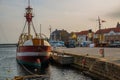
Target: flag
{"x": 103, "y": 21}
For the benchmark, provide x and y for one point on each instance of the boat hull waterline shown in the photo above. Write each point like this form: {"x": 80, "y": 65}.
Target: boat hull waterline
{"x": 33, "y": 55}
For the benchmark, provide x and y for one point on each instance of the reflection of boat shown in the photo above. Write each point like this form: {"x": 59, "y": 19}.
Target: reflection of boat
{"x": 32, "y": 50}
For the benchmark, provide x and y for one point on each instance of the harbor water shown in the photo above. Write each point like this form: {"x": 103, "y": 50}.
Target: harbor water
{"x": 9, "y": 68}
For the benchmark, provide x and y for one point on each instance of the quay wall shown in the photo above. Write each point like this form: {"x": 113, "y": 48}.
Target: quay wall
{"x": 96, "y": 67}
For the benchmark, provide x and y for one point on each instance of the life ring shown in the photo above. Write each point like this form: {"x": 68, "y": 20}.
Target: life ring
{"x": 101, "y": 51}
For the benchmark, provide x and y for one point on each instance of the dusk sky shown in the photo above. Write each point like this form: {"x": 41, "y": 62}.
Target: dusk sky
{"x": 70, "y": 15}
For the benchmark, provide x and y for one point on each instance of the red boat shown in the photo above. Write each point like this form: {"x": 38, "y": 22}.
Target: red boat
{"x": 32, "y": 50}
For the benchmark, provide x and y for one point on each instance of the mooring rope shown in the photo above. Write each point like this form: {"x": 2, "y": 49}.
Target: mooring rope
{"x": 26, "y": 69}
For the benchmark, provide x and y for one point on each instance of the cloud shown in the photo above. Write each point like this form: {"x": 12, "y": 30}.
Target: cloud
{"x": 68, "y": 14}
{"x": 114, "y": 11}
{"x": 114, "y": 14}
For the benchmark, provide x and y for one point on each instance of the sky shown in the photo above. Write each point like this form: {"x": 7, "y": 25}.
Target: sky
{"x": 70, "y": 15}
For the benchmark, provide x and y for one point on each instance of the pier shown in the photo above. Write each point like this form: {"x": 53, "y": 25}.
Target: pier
{"x": 93, "y": 63}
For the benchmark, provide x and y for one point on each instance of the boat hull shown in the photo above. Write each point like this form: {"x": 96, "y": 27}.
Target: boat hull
{"x": 34, "y": 56}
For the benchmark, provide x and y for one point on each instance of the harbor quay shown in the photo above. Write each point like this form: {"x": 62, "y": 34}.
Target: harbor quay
{"x": 110, "y": 54}
{"x": 98, "y": 62}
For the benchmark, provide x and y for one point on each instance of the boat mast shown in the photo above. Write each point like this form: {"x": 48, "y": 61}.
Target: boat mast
{"x": 29, "y": 16}
{"x": 40, "y": 32}
{"x": 28, "y": 2}
{"x": 50, "y": 33}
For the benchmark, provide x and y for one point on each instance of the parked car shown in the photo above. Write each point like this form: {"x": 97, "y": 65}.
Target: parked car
{"x": 70, "y": 44}
{"x": 57, "y": 43}
{"x": 115, "y": 44}
{"x": 85, "y": 43}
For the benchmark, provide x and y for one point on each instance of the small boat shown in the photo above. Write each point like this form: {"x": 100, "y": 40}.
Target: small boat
{"x": 33, "y": 49}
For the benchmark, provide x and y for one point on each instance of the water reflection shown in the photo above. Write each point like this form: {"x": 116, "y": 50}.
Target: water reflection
{"x": 9, "y": 68}
{"x": 66, "y": 73}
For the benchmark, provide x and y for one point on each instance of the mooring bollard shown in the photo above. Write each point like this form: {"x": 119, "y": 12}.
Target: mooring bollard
{"x": 101, "y": 51}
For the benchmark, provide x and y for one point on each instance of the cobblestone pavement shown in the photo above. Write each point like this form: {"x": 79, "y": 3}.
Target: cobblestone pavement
{"x": 111, "y": 54}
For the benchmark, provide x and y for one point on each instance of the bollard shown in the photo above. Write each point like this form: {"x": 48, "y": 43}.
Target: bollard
{"x": 101, "y": 51}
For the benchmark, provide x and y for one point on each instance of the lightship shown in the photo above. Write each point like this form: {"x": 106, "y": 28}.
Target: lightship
{"x": 33, "y": 49}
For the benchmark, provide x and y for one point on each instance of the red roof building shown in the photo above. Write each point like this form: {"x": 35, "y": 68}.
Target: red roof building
{"x": 86, "y": 35}
{"x": 109, "y": 34}
{"x": 83, "y": 32}
{"x": 107, "y": 30}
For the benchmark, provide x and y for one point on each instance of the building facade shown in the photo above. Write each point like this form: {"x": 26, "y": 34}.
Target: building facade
{"x": 86, "y": 35}
{"x": 108, "y": 35}
{"x": 59, "y": 35}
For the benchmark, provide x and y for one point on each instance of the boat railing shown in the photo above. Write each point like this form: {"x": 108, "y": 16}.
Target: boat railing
{"x": 24, "y": 37}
